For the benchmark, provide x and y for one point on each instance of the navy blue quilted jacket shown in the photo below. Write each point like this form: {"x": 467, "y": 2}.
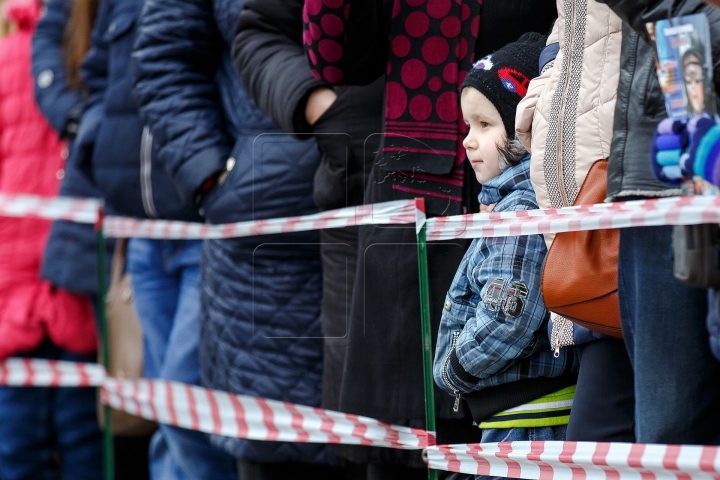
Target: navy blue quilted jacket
{"x": 260, "y": 297}
{"x": 112, "y": 144}
{"x": 70, "y": 260}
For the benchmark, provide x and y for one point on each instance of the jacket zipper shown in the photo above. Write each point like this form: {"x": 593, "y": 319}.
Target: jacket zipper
{"x": 146, "y": 173}
{"x": 560, "y": 335}
{"x": 446, "y": 379}
{"x": 561, "y": 176}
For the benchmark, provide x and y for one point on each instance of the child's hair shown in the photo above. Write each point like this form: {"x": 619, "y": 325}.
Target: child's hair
{"x": 511, "y": 153}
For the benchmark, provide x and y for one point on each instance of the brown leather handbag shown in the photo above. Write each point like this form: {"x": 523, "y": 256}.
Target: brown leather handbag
{"x": 579, "y": 278}
{"x": 125, "y": 343}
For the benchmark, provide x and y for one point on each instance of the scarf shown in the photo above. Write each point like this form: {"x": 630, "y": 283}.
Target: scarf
{"x": 432, "y": 45}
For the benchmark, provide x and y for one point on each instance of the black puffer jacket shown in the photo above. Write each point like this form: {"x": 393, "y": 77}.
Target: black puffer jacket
{"x": 640, "y": 105}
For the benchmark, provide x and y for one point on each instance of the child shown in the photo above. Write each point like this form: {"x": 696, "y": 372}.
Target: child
{"x": 493, "y": 348}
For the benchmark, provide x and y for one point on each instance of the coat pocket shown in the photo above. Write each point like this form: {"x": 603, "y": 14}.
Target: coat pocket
{"x": 119, "y": 26}
{"x": 120, "y": 36}
{"x": 654, "y": 102}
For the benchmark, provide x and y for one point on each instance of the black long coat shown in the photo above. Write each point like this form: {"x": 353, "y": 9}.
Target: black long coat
{"x": 269, "y": 57}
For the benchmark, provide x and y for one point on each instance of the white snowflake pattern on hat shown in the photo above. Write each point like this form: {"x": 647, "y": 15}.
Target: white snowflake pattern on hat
{"x": 484, "y": 63}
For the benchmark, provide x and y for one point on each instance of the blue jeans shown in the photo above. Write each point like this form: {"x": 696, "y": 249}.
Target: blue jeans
{"x": 677, "y": 380}
{"x": 166, "y": 291}
{"x": 36, "y": 423}
{"x": 496, "y": 435}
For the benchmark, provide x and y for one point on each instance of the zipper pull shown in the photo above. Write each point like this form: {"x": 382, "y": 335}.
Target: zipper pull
{"x": 555, "y": 341}
{"x": 456, "y": 406}
{"x": 555, "y": 336}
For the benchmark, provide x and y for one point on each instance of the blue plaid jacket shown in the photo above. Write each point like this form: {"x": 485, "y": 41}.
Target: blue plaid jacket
{"x": 494, "y": 323}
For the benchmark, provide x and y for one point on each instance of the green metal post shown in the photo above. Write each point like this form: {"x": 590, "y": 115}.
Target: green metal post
{"x": 425, "y": 322}
{"x": 108, "y": 446}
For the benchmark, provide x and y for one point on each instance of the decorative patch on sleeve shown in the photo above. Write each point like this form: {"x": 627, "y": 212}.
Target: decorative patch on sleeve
{"x": 514, "y": 303}
{"x": 493, "y": 295}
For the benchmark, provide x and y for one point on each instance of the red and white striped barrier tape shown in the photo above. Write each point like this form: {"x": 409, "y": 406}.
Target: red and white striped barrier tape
{"x": 82, "y": 210}
{"x": 241, "y": 416}
{"x": 640, "y": 213}
{"x": 395, "y": 212}
{"x": 79, "y": 210}
{"x": 213, "y": 411}
{"x": 29, "y": 372}
{"x": 579, "y": 460}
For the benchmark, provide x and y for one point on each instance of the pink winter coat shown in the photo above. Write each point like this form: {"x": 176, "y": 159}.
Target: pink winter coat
{"x": 31, "y": 158}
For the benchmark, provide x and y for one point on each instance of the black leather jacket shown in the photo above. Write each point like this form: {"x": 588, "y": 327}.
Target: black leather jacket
{"x": 640, "y": 105}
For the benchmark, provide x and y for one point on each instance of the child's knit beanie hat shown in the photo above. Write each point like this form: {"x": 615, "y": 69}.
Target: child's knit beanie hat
{"x": 504, "y": 75}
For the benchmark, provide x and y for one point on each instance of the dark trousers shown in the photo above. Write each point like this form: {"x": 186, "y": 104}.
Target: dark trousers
{"x": 605, "y": 401}
{"x": 677, "y": 391}
{"x": 50, "y": 433}
{"x": 339, "y": 259}
{"x": 392, "y": 472}
{"x": 249, "y": 470}
{"x": 713, "y": 320}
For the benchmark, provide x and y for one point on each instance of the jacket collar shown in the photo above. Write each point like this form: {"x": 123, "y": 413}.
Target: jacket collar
{"x": 516, "y": 177}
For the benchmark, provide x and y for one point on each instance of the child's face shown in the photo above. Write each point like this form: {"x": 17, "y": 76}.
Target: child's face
{"x": 486, "y": 132}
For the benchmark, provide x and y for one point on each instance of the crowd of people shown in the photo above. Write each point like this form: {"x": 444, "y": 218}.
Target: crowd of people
{"x": 222, "y": 111}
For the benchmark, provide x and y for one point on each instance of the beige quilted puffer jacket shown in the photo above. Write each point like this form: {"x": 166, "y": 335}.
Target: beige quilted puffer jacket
{"x": 566, "y": 118}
